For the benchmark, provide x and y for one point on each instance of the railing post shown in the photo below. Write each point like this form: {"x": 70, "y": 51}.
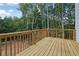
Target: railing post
{"x": 0, "y": 46}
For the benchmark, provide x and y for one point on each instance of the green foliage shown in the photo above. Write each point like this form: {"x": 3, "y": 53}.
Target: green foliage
{"x": 35, "y": 16}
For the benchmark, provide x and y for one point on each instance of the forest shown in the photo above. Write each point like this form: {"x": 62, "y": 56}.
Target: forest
{"x": 40, "y": 16}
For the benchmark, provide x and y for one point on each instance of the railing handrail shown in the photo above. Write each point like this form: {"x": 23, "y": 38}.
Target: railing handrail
{"x": 19, "y": 32}
{"x": 61, "y": 29}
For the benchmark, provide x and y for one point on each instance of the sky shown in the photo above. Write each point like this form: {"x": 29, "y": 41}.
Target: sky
{"x": 10, "y": 9}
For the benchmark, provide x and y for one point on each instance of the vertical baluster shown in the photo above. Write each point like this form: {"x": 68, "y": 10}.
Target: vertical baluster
{"x": 14, "y": 45}
{"x": 73, "y": 34}
{"x": 66, "y": 34}
{"x": 10, "y": 45}
{"x": 0, "y": 46}
{"x": 6, "y": 46}
{"x": 37, "y": 36}
{"x": 21, "y": 43}
{"x": 56, "y": 33}
{"x": 17, "y": 44}
{"x": 28, "y": 39}
{"x": 69, "y": 34}
{"x": 25, "y": 40}
{"x": 31, "y": 38}
{"x": 62, "y": 33}
{"x": 50, "y": 33}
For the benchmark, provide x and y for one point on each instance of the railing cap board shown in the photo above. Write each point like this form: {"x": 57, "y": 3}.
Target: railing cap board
{"x": 15, "y": 33}
{"x": 28, "y": 32}
{"x": 61, "y": 29}
{"x": 20, "y": 32}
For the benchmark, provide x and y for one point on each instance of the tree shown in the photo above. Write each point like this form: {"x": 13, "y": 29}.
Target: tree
{"x": 25, "y": 9}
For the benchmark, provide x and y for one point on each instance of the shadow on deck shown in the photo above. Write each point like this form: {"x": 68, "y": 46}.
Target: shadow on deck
{"x": 52, "y": 47}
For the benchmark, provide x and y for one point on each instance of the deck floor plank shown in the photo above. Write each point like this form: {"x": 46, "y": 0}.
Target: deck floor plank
{"x": 59, "y": 47}
{"x": 52, "y": 50}
{"x": 76, "y": 45}
{"x": 48, "y": 48}
{"x": 66, "y": 48}
{"x": 70, "y": 48}
{"x": 55, "y": 50}
{"x": 73, "y": 49}
{"x": 52, "y": 47}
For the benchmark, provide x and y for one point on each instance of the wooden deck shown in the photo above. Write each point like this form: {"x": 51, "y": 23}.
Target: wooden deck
{"x": 52, "y": 47}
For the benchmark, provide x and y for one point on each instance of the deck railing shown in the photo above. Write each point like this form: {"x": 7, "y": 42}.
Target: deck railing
{"x": 13, "y": 43}
{"x": 62, "y": 33}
